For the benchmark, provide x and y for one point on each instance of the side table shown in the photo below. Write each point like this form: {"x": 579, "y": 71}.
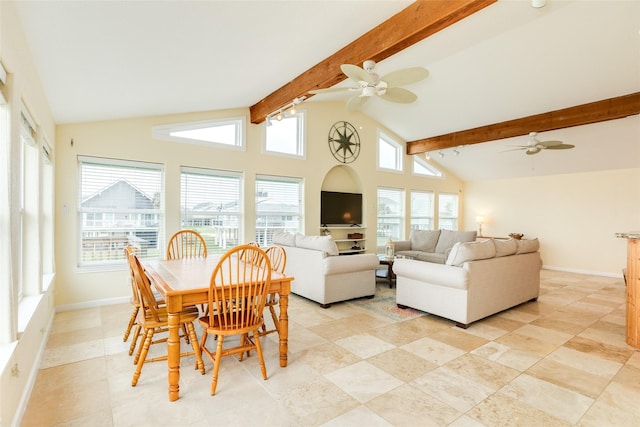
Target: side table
{"x": 390, "y": 276}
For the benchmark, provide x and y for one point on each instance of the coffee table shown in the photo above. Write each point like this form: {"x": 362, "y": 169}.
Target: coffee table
{"x": 390, "y": 276}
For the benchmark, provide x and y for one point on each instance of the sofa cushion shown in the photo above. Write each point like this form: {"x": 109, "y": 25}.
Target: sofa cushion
{"x": 283, "y": 238}
{"x": 449, "y": 238}
{"x": 470, "y": 251}
{"x": 424, "y": 240}
{"x": 505, "y": 247}
{"x": 527, "y": 245}
{"x": 318, "y": 243}
{"x": 431, "y": 257}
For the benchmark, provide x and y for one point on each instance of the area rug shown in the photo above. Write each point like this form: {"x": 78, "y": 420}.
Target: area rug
{"x": 384, "y": 304}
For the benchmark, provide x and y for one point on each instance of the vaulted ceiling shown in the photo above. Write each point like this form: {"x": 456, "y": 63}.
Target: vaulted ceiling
{"x": 503, "y": 62}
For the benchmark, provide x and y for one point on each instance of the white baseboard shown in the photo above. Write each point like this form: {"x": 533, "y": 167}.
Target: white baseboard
{"x": 92, "y": 304}
{"x": 589, "y": 272}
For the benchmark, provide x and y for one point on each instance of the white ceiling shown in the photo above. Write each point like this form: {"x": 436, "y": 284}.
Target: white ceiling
{"x": 101, "y": 60}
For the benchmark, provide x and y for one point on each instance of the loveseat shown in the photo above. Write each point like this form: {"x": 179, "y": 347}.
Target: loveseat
{"x": 478, "y": 279}
{"x": 432, "y": 245}
{"x": 321, "y": 275}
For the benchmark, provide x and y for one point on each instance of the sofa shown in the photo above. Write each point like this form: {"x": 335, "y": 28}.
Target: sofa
{"x": 323, "y": 276}
{"x": 478, "y": 279}
{"x": 432, "y": 245}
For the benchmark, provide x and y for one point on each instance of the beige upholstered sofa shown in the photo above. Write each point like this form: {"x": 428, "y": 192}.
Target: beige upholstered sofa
{"x": 321, "y": 275}
{"x": 432, "y": 245}
{"x": 478, "y": 279}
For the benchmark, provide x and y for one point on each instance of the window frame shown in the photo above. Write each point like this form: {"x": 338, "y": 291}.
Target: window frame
{"x": 119, "y": 262}
{"x": 163, "y": 132}
{"x": 382, "y": 234}
{"x": 301, "y": 140}
{"x": 435, "y": 172}
{"x": 430, "y": 217}
{"x": 267, "y": 240}
{"x": 212, "y": 248}
{"x": 457, "y": 213}
{"x": 398, "y": 150}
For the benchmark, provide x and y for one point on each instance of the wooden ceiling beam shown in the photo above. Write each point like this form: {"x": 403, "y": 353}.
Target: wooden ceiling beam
{"x": 411, "y": 25}
{"x": 593, "y": 112}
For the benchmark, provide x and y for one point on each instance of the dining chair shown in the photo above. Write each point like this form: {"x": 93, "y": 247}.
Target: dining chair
{"x": 153, "y": 318}
{"x": 278, "y": 258}
{"x": 135, "y": 302}
{"x": 186, "y": 244}
{"x": 237, "y": 296}
{"x": 246, "y": 255}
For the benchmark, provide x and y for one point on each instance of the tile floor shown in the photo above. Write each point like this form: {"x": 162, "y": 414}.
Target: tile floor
{"x": 559, "y": 361}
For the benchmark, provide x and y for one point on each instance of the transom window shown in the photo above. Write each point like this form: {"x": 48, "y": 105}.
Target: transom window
{"x": 422, "y": 167}
{"x": 210, "y": 203}
{"x": 285, "y": 136}
{"x": 227, "y": 133}
{"x": 390, "y": 153}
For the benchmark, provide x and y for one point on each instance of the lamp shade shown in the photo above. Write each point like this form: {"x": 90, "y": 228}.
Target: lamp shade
{"x": 481, "y": 219}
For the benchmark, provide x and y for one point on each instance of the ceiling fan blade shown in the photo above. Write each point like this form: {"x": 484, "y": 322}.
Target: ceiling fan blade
{"x": 330, "y": 90}
{"x": 398, "y": 94}
{"x": 356, "y": 73}
{"x": 356, "y": 102}
{"x": 405, "y": 76}
{"x": 561, "y": 146}
{"x": 549, "y": 144}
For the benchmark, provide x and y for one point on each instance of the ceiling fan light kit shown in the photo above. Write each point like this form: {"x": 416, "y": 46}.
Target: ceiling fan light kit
{"x": 370, "y": 84}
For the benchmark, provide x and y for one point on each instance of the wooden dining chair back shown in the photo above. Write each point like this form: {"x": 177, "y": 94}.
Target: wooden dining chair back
{"x": 186, "y": 244}
{"x": 247, "y": 255}
{"x": 278, "y": 258}
{"x": 153, "y": 319}
{"x": 237, "y": 296}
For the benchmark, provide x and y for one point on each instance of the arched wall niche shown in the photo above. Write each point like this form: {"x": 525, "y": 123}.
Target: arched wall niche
{"x": 342, "y": 178}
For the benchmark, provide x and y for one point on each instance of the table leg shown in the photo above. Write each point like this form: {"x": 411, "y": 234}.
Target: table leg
{"x": 283, "y": 330}
{"x": 173, "y": 353}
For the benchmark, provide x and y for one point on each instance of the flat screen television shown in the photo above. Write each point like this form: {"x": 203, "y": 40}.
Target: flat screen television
{"x": 340, "y": 208}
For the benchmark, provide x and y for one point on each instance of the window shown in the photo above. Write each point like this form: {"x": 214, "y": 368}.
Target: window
{"x": 390, "y": 153}
{"x": 422, "y": 210}
{"x": 211, "y": 204}
{"x": 422, "y": 167}
{"x": 285, "y": 136}
{"x": 120, "y": 203}
{"x": 28, "y": 258}
{"x": 448, "y": 211}
{"x": 47, "y": 206}
{"x": 221, "y": 133}
{"x": 279, "y": 206}
{"x": 390, "y": 215}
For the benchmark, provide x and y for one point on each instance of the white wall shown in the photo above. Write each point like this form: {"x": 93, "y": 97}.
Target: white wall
{"x": 575, "y": 216}
{"x": 131, "y": 139}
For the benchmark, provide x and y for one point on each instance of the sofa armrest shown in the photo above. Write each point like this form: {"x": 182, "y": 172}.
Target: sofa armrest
{"x": 402, "y": 245}
{"x": 350, "y": 263}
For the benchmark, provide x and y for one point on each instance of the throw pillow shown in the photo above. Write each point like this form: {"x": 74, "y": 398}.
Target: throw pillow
{"x": 283, "y": 238}
{"x": 470, "y": 251}
{"x": 505, "y": 247}
{"x": 449, "y": 238}
{"x": 317, "y": 243}
{"x": 527, "y": 245}
{"x": 424, "y": 240}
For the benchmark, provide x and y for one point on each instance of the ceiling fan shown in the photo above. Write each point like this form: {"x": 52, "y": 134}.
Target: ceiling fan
{"x": 535, "y": 146}
{"x": 371, "y": 84}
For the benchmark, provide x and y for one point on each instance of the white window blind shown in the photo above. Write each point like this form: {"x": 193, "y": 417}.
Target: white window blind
{"x": 390, "y": 215}
{"x": 279, "y": 206}
{"x": 448, "y": 211}
{"x": 120, "y": 203}
{"x": 211, "y": 204}
{"x": 422, "y": 210}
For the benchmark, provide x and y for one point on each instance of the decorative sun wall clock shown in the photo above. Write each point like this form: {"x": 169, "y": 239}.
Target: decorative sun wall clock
{"x": 344, "y": 142}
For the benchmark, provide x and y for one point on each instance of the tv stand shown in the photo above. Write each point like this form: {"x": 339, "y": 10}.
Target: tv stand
{"x": 347, "y": 245}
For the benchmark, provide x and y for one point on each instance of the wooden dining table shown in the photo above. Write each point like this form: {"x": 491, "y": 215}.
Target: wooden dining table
{"x": 185, "y": 282}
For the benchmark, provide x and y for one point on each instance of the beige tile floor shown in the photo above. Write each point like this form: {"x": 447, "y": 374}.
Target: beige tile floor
{"x": 559, "y": 361}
